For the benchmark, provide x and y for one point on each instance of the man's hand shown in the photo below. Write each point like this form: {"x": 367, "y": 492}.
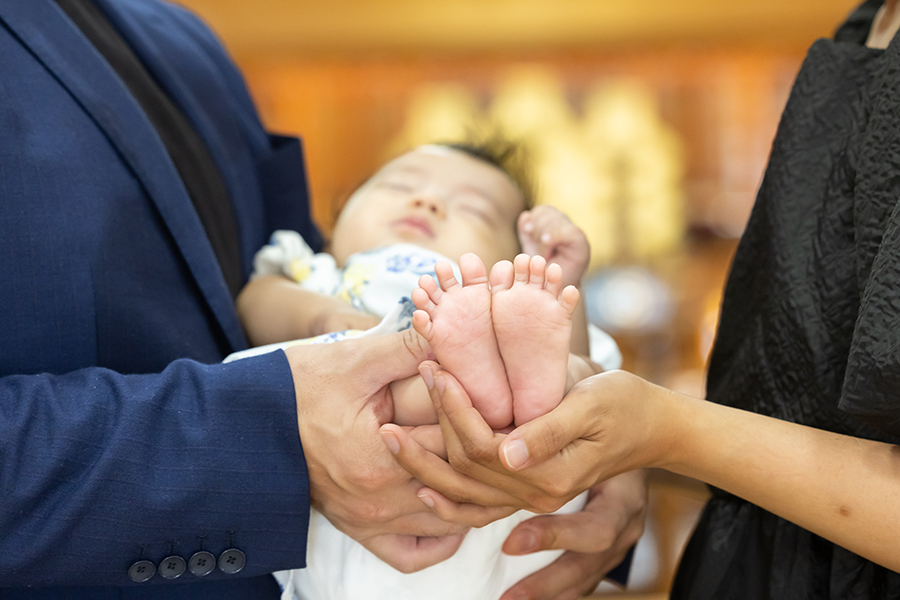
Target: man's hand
{"x": 596, "y": 540}
{"x": 343, "y": 398}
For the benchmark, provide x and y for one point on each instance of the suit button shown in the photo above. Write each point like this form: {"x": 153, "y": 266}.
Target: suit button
{"x": 232, "y": 561}
{"x": 202, "y": 563}
{"x": 141, "y": 571}
{"x": 172, "y": 567}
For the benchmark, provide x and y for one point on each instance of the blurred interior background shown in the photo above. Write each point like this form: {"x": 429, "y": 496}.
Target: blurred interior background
{"x": 648, "y": 122}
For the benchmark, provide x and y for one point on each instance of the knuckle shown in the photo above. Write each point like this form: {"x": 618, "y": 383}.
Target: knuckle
{"x": 478, "y": 453}
{"x": 481, "y": 521}
{"x": 460, "y": 495}
{"x": 562, "y": 488}
{"x": 369, "y": 481}
{"x": 545, "y": 504}
{"x": 367, "y": 512}
{"x": 459, "y": 460}
{"x": 551, "y": 437}
{"x": 414, "y": 343}
{"x": 406, "y": 566}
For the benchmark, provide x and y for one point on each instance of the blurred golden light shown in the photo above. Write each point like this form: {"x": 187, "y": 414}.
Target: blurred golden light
{"x": 616, "y": 172}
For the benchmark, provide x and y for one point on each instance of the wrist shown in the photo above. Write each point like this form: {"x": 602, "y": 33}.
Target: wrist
{"x": 680, "y": 423}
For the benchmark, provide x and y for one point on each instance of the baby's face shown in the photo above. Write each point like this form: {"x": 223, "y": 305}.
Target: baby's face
{"x": 437, "y": 198}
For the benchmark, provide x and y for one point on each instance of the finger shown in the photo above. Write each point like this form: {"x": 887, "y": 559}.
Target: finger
{"x": 430, "y": 438}
{"x": 433, "y": 472}
{"x": 462, "y": 420}
{"x": 424, "y": 524}
{"x": 525, "y": 222}
{"x": 466, "y": 514}
{"x": 409, "y": 554}
{"x": 432, "y": 550}
{"x": 525, "y": 229}
{"x": 378, "y": 360}
{"x": 548, "y": 220}
{"x": 472, "y": 448}
{"x": 542, "y": 438}
{"x": 583, "y": 531}
{"x": 569, "y": 577}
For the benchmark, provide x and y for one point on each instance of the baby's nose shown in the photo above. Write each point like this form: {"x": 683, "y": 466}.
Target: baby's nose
{"x": 432, "y": 205}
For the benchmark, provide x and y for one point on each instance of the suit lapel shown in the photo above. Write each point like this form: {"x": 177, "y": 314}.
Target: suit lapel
{"x": 63, "y": 50}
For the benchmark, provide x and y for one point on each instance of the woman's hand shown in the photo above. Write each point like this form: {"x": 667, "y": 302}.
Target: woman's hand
{"x": 608, "y": 424}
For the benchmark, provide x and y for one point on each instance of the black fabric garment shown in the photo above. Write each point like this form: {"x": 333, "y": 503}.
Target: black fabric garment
{"x": 199, "y": 173}
{"x": 810, "y": 314}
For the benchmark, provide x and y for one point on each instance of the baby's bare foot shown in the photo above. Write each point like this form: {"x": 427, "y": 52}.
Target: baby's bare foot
{"x": 456, "y": 321}
{"x": 533, "y": 324}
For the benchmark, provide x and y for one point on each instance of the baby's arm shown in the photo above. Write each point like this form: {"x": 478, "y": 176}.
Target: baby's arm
{"x": 547, "y": 232}
{"x": 274, "y": 309}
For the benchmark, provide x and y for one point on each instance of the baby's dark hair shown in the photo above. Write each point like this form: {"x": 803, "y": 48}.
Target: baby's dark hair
{"x": 509, "y": 157}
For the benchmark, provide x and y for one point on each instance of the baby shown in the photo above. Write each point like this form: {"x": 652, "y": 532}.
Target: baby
{"x": 506, "y": 336}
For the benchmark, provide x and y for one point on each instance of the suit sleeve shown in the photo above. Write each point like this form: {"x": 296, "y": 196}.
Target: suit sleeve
{"x": 99, "y": 470}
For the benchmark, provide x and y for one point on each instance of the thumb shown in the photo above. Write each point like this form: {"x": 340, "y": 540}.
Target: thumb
{"x": 380, "y": 360}
{"x": 542, "y": 438}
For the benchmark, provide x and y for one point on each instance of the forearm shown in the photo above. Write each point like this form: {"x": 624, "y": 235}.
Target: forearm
{"x": 97, "y": 465}
{"x": 275, "y": 309}
{"x": 841, "y": 488}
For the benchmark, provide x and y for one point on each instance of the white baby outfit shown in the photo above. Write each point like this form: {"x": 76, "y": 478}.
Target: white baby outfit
{"x": 379, "y": 282}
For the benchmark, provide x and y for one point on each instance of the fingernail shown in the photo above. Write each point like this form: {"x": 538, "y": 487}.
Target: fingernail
{"x": 516, "y": 453}
{"x": 391, "y": 441}
{"x": 427, "y": 376}
{"x": 529, "y": 543}
{"x": 426, "y": 499}
{"x": 439, "y": 383}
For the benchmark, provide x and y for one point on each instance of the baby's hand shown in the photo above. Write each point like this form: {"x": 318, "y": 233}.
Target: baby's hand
{"x": 547, "y": 232}
{"x": 337, "y": 315}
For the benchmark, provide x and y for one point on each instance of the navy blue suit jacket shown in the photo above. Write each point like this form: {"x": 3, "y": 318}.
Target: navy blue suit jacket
{"x": 120, "y": 436}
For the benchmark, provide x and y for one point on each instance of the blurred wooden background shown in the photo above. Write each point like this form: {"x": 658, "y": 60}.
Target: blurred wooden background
{"x": 700, "y": 83}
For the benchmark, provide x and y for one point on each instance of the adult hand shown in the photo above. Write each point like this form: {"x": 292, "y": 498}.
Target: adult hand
{"x": 596, "y": 540}
{"x": 608, "y": 424}
{"x": 342, "y": 398}
{"x": 409, "y": 553}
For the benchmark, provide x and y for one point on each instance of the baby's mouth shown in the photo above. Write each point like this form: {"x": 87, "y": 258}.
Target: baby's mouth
{"x": 417, "y": 224}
